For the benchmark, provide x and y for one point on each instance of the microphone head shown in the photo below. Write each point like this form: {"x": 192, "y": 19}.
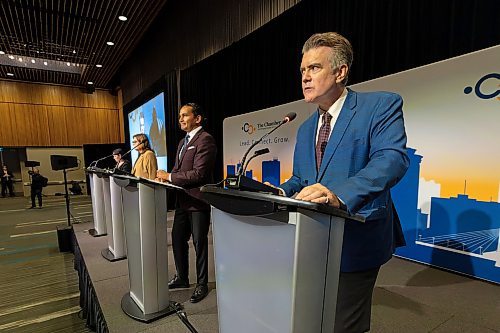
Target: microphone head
{"x": 289, "y": 117}
{"x": 261, "y": 152}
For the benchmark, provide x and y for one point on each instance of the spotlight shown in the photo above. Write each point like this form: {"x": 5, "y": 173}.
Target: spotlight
{"x": 98, "y": 65}
{"x": 11, "y": 57}
{"x": 122, "y": 18}
{"x": 45, "y": 63}
{"x": 2, "y": 52}
{"x": 110, "y": 43}
{"x": 10, "y": 74}
{"x": 20, "y": 59}
{"x": 68, "y": 64}
{"x": 90, "y": 82}
{"x": 32, "y": 61}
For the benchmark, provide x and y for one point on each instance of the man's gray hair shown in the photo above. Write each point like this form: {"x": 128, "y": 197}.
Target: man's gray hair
{"x": 341, "y": 48}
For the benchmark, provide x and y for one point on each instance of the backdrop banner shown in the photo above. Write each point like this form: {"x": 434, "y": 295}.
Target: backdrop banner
{"x": 448, "y": 201}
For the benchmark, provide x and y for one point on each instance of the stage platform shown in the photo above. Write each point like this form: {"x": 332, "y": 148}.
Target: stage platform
{"x": 409, "y": 297}
{"x": 103, "y": 284}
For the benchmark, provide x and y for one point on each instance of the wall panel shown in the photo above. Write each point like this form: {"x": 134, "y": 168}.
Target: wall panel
{"x": 43, "y": 115}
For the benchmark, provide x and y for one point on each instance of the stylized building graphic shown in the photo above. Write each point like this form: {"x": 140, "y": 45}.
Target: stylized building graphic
{"x": 458, "y": 233}
{"x": 271, "y": 171}
{"x": 232, "y": 169}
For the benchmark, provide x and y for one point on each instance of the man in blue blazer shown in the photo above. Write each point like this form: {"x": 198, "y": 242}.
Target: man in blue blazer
{"x": 349, "y": 154}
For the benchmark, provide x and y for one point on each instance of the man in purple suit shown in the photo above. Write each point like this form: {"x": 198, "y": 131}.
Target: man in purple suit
{"x": 194, "y": 166}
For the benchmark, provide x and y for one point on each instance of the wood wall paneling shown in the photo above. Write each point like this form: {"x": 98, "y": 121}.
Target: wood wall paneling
{"x": 47, "y": 115}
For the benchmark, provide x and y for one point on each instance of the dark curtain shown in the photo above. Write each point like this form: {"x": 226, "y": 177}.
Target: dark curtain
{"x": 262, "y": 69}
{"x": 91, "y": 310}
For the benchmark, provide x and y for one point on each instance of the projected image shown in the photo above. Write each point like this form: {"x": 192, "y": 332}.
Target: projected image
{"x": 149, "y": 119}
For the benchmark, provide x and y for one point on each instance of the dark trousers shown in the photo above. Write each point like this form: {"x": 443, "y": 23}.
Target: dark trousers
{"x": 188, "y": 223}
{"x": 5, "y": 186}
{"x": 36, "y": 193}
{"x": 354, "y": 301}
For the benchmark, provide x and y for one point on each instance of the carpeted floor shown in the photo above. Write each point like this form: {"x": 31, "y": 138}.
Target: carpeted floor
{"x": 39, "y": 291}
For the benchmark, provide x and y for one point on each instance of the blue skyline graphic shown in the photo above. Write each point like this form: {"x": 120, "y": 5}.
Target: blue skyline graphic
{"x": 271, "y": 171}
{"x": 460, "y": 233}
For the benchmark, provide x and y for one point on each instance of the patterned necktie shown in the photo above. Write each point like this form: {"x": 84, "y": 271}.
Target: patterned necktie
{"x": 324, "y": 133}
{"x": 184, "y": 146}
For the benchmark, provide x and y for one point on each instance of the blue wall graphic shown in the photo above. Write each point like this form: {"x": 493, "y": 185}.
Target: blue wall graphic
{"x": 271, "y": 172}
{"x": 462, "y": 234}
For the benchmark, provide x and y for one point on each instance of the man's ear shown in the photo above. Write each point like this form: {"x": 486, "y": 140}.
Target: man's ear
{"x": 199, "y": 119}
{"x": 342, "y": 73}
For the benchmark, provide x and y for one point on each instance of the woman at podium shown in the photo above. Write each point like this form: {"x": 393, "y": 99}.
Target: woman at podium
{"x": 146, "y": 165}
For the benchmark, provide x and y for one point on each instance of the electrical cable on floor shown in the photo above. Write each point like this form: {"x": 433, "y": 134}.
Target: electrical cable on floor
{"x": 183, "y": 317}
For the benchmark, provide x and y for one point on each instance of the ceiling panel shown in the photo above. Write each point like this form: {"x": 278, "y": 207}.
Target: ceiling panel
{"x": 38, "y": 38}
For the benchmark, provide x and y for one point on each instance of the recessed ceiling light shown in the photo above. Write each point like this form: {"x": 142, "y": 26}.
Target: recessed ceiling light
{"x": 122, "y": 18}
{"x": 20, "y": 59}
{"x": 2, "y": 52}
{"x": 110, "y": 43}
{"x": 98, "y": 65}
{"x": 68, "y": 64}
{"x": 74, "y": 51}
{"x": 10, "y": 74}
{"x": 45, "y": 63}
{"x": 90, "y": 82}
{"x": 32, "y": 61}
{"x": 11, "y": 57}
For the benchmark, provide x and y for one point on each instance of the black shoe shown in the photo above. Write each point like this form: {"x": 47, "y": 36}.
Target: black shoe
{"x": 176, "y": 282}
{"x": 31, "y": 207}
{"x": 200, "y": 293}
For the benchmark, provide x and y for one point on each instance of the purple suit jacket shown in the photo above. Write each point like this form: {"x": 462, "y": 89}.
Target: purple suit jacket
{"x": 193, "y": 169}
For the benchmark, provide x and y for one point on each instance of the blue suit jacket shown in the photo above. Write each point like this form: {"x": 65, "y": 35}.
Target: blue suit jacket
{"x": 364, "y": 158}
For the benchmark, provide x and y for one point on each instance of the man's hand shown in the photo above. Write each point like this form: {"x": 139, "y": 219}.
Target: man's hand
{"x": 319, "y": 194}
{"x": 162, "y": 176}
{"x": 281, "y": 192}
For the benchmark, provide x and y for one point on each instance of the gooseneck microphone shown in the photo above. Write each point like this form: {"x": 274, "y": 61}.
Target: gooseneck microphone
{"x": 239, "y": 181}
{"x": 94, "y": 164}
{"x": 288, "y": 118}
{"x": 257, "y": 153}
{"x": 137, "y": 145}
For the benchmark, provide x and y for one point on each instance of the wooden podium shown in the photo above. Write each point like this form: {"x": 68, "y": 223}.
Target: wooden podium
{"x": 277, "y": 261}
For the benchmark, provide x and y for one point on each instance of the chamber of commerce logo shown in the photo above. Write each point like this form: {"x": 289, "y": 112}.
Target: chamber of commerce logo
{"x": 483, "y": 88}
{"x": 248, "y": 128}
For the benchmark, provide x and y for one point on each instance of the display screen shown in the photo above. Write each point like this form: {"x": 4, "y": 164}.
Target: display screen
{"x": 149, "y": 119}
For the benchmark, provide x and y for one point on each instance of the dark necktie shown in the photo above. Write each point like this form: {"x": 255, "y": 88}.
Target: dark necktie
{"x": 324, "y": 133}
{"x": 184, "y": 146}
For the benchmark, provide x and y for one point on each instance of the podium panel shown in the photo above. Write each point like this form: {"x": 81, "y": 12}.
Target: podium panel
{"x": 281, "y": 285}
{"x": 145, "y": 221}
{"x": 98, "y": 209}
{"x": 116, "y": 234}
{"x": 277, "y": 261}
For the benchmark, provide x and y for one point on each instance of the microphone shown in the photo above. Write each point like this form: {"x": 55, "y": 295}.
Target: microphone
{"x": 257, "y": 153}
{"x": 239, "y": 181}
{"x": 94, "y": 164}
{"x": 288, "y": 118}
{"x": 137, "y": 145}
